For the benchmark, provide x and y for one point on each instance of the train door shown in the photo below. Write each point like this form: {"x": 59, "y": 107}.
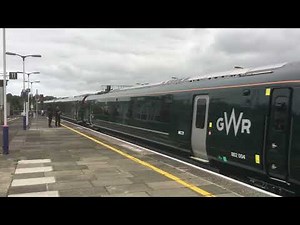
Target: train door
{"x": 199, "y": 126}
{"x": 278, "y": 133}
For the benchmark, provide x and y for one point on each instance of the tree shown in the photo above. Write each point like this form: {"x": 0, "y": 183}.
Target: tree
{"x": 16, "y": 103}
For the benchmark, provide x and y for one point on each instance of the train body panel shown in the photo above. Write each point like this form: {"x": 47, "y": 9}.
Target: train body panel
{"x": 149, "y": 117}
{"x": 294, "y": 140}
{"x": 237, "y": 126}
{"x": 248, "y": 121}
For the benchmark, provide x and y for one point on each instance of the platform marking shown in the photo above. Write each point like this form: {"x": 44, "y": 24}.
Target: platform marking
{"x": 131, "y": 148}
{"x": 34, "y": 170}
{"x": 32, "y": 181}
{"x": 34, "y": 161}
{"x": 156, "y": 169}
{"x": 37, "y": 194}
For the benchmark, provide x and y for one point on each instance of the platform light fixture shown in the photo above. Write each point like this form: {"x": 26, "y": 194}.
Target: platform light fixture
{"x": 25, "y": 112}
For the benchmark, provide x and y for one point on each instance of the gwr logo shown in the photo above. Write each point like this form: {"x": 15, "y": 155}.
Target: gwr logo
{"x": 246, "y": 124}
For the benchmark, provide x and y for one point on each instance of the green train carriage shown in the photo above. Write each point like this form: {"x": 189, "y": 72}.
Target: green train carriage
{"x": 246, "y": 118}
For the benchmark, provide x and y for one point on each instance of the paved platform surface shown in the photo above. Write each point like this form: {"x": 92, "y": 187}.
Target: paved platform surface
{"x": 57, "y": 162}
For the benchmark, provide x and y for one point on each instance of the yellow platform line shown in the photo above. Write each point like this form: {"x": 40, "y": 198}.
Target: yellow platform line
{"x": 162, "y": 172}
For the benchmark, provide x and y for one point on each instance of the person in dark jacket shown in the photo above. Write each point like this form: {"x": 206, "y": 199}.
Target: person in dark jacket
{"x": 57, "y": 116}
{"x": 50, "y": 115}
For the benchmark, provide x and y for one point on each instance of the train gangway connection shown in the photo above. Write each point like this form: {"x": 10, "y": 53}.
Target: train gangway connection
{"x": 73, "y": 161}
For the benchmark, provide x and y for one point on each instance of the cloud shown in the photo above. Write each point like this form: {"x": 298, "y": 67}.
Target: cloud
{"x": 78, "y": 61}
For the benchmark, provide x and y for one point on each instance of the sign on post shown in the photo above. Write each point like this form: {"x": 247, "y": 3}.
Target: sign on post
{"x": 13, "y": 75}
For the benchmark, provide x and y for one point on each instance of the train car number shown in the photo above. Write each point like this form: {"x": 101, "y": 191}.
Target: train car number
{"x": 238, "y": 155}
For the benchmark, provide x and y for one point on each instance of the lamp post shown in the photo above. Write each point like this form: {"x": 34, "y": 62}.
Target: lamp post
{"x": 25, "y": 115}
{"x": 5, "y": 147}
{"x": 31, "y": 82}
{"x": 28, "y": 95}
{"x": 36, "y": 103}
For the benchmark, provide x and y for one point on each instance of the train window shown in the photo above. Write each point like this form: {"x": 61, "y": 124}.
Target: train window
{"x": 152, "y": 109}
{"x": 200, "y": 115}
{"x": 280, "y": 113}
{"x": 164, "y": 114}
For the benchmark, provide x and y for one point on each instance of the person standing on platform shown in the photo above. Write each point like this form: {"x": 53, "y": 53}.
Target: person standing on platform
{"x": 57, "y": 116}
{"x": 50, "y": 115}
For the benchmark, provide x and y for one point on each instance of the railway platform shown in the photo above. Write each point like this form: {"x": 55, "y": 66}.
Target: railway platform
{"x": 71, "y": 161}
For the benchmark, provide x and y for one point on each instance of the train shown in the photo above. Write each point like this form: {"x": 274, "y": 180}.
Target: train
{"x": 247, "y": 119}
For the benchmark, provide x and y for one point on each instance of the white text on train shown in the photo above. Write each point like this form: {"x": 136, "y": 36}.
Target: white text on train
{"x": 224, "y": 122}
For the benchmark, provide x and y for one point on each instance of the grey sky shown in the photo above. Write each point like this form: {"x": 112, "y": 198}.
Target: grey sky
{"x": 78, "y": 61}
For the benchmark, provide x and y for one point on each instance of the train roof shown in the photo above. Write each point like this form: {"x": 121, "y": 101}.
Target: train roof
{"x": 240, "y": 72}
{"x": 67, "y": 99}
{"x": 235, "y": 76}
{"x": 237, "y": 71}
